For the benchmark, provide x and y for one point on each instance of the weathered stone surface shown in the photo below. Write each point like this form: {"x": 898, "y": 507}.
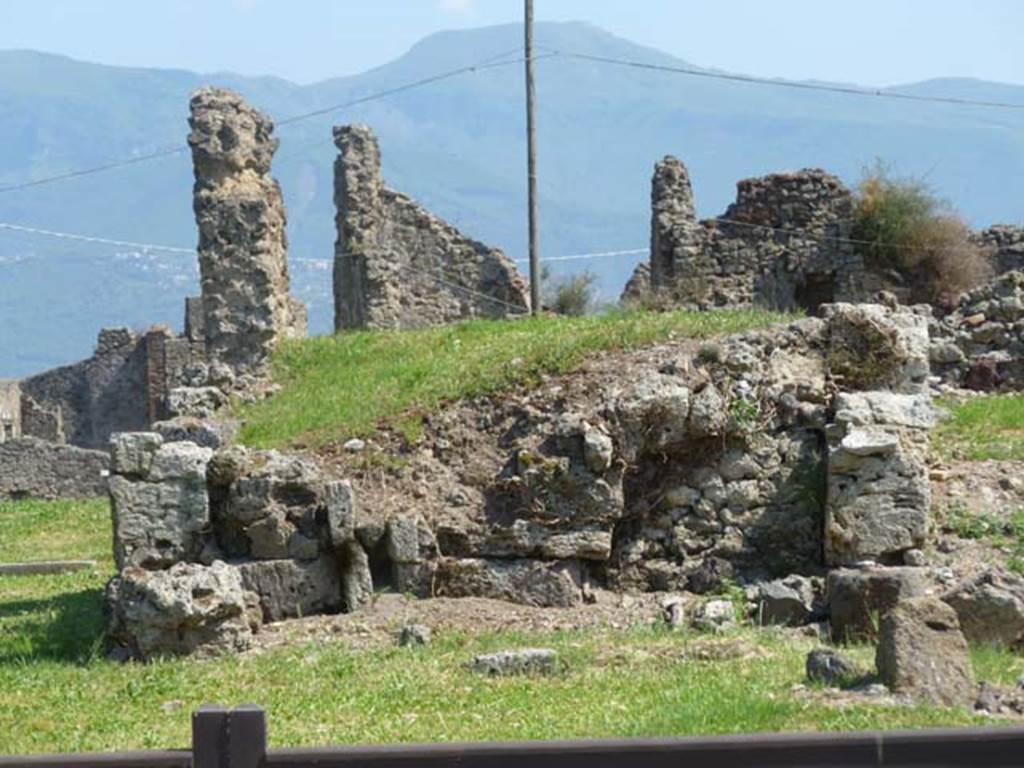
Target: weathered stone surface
{"x": 879, "y": 496}
{"x": 873, "y": 347}
{"x": 288, "y": 589}
{"x": 715, "y": 615}
{"x": 208, "y": 433}
{"x": 857, "y": 599}
{"x": 390, "y": 253}
{"x": 922, "y": 652}
{"x": 990, "y": 607}
{"x": 269, "y": 506}
{"x": 414, "y": 635}
{"x": 828, "y": 666}
{"x": 187, "y": 609}
{"x": 526, "y": 661}
{"x": 131, "y": 453}
{"x": 160, "y": 517}
{"x": 356, "y": 577}
{"x": 781, "y": 244}
{"x": 242, "y": 245}
{"x": 530, "y": 582}
{"x": 980, "y": 345}
{"x": 196, "y": 402}
{"x": 788, "y": 601}
{"x": 33, "y": 468}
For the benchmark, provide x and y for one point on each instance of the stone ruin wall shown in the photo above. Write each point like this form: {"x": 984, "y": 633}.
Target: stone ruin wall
{"x": 396, "y": 266}
{"x": 783, "y": 244}
{"x": 779, "y": 245}
{"x": 243, "y": 252}
{"x": 745, "y": 466}
{"x": 135, "y": 381}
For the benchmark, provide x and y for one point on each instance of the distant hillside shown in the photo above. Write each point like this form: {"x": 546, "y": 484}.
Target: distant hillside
{"x": 457, "y": 145}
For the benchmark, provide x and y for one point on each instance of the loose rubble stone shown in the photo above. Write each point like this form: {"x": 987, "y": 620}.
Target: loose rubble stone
{"x": 990, "y": 607}
{"x": 922, "y": 652}
{"x": 187, "y": 609}
{"x": 716, "y": 615}
{"x": 673, "y": 611}
{"x": 528, "y": 661}
{"x": 788, "y": 601}
{"x": 414, "y": 634}
{"x": 828, "y": 666}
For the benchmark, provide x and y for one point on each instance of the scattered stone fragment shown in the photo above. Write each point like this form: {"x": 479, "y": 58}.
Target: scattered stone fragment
{"x": 672, "y": 611}
{"x": 922, "y": 653}
{"x": 788, "y": 601}
{"x": 414, "y": 634}
{"x": 828, "y": 666}
{"x": 716, "y": 616}
{"x": 528, "y": 661}
{"x": 355, "y": 445}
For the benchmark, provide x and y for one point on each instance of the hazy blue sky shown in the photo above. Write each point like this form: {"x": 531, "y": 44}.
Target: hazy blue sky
{"x": 872, "y": 42}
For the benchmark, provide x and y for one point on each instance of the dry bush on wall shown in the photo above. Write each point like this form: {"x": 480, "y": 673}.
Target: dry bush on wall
{"x": 912, "y": 230}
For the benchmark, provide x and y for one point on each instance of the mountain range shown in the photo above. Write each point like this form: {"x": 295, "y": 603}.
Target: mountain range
{"x": 457, "y": 145}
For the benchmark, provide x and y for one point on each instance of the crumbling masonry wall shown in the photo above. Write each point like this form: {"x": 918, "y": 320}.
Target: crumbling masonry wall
{"x": 243, "y": 263}
{"x": 396, "y": 266}
{"x": 782, "y": 244}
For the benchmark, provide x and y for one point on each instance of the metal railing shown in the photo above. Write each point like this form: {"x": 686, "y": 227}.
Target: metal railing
{"x": 238, "y": 739}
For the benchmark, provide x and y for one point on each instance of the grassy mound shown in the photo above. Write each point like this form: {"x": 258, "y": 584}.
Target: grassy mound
{"x": 343, "y": 386}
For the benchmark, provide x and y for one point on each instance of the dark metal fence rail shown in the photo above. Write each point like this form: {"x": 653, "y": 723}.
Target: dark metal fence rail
{"x": 238, "y": 739}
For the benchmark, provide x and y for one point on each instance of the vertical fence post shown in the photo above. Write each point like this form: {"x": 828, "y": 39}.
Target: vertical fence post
{"x": 247, "y": 737}
{"x": 209, "y": 737}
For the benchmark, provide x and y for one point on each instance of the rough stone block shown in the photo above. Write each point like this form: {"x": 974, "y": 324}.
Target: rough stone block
{"x": 288, "y": 589}
{"x": 530, "y": 582}
{"x": 922, "y": 652}
{"x": 188, "y": 609}
{"x": 857, "y": 599}
{"x": 131, "y": 453}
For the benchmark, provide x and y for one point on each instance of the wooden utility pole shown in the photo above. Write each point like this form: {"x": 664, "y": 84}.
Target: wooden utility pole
{"x": 531, "y": 162}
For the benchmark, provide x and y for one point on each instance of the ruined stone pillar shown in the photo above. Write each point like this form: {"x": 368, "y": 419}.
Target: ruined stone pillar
{"x": 675, "y": 232}
{"x": 362, "y": 274}
{"x": 396, "y": 265}
{"x": 243, "y": 263}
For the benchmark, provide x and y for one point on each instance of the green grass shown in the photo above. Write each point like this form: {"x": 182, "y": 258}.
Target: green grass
{"x": 983, "y": 428}
{"x": 342, "y": 386}
{"x": 58, "y": 692}
{"x": 55, "y": 530}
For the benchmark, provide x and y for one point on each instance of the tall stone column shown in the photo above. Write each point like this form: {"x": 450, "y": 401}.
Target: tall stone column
{"x": 676, "y": 240}
{"x": 243, "y": 248}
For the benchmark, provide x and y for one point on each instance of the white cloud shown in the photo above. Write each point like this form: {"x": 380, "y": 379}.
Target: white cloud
{"x": 456, "y": 6}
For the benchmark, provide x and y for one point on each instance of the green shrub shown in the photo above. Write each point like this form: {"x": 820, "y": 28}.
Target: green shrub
{"x": 572, "y": 295}
{"x": 900, "y": 223}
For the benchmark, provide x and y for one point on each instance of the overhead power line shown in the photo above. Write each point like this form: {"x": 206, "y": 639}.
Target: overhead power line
{"x": 488, "y": 63}
{"x": 90, "y": 239}
{"x": 805, "y": 86}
